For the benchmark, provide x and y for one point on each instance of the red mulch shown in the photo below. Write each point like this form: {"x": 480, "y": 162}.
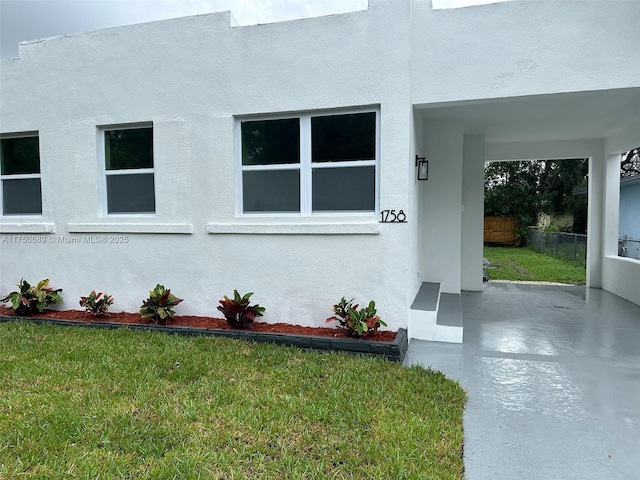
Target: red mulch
{"x": 203, "y": 322}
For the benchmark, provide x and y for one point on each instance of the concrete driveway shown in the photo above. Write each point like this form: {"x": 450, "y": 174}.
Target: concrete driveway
{"x": 553, "y": 377}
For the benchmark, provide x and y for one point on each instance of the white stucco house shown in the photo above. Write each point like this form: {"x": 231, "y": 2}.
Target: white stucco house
{"x": 274, "y": 158}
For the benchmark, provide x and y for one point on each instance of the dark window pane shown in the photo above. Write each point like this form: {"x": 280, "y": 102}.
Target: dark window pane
{"x": 130, "y": 193}
{"x": 20, "y": 155}
{"x": 131, "y": 148}
{"x": 349, "y": 188}
{"x": 270, "y": 142}
{"x": 339, "y": 138}
{"x": 21, "y": 196}
{"x": 271, "y": 191}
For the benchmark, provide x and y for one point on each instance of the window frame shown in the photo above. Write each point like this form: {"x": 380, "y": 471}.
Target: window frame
{"x": 21, "y": 176}
{"x": 306, "y": 166}
{"x": 104, "y": 173}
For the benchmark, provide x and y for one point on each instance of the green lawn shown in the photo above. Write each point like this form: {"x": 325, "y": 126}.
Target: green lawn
{"x": 92, "y": 403}
{"x": 513, "y": 263}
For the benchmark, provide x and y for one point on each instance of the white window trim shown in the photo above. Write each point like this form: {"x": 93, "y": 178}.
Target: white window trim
{"x": 22, "y": 176}
{"x": 305, "y": 166}
{"x": 104, "y": 173}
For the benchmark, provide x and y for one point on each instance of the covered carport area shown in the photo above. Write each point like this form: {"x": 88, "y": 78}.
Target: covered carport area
{"x": 459, "y": 137}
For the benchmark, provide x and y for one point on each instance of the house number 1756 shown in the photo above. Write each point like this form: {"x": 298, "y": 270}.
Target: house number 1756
{"x": 392, "y": 216}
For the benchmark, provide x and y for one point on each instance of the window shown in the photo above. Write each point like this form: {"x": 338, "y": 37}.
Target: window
{"x": 20, "y": 175}
{"x": 128, "y": 167}
{"x": 310, "y": 163}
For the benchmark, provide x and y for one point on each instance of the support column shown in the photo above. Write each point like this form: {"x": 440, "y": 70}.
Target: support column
{"x": 472, "y": 212}
{"x": 441, "y": 207}
{"x": 595, "y": 221}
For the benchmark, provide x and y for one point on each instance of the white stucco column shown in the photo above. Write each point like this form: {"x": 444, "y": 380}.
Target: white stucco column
{"x": 441, "y": 208}
{"x": 472, "y": 212}
{"x": 595, "y": 219}
{"x": 611, "y": 203}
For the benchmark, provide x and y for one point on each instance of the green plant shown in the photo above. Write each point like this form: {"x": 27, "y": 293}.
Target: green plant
{"x": 237, "y": 310}
{"x": 31, "y": 299}
{"x": 159, "y": 305}
{"x": 97, "y": 303}
{"x": 358, "y": 322}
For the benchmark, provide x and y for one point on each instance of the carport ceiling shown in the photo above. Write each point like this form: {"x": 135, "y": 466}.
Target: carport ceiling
{"x": 566, "y": 116}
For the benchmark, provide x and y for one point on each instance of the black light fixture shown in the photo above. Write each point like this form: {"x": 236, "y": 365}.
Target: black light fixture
{"x": 423, "y": 168}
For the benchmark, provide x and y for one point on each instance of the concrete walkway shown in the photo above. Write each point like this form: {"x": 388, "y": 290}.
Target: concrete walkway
{"x": 553, "y": 377}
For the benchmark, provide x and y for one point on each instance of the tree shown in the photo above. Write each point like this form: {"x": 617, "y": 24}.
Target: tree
{"x": 630, "y": 163}
{"x": 557, "y": 181}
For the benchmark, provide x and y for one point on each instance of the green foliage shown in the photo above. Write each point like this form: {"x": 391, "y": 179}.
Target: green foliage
{"x": 525, "y": 189}
{"x": 82, "y": 403}
{"x": 358, "y": 322}
{"x": 159, "y": 305}
{"x": 237, "y": 310}
{"x": 32, "y": 299}
{"x": 97, "y": 303}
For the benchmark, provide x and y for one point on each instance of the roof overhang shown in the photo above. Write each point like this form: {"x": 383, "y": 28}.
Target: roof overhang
{"x": 561, "y": 116}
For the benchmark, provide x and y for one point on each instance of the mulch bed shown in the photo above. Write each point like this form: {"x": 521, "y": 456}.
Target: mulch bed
{"x": 210, "y": 323}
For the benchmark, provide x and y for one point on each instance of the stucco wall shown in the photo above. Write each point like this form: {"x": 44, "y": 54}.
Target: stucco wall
{"x": 191, "y": 77}
{"x": 523, "y": 47}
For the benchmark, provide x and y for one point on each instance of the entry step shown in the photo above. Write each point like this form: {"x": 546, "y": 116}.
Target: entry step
{"x": 427, "y": 297}
{"x": 450, "y": 310}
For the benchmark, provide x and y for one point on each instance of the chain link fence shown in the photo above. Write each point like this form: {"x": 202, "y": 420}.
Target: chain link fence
{"x": 570, "y": 246}
{"x": 629, "y": 247}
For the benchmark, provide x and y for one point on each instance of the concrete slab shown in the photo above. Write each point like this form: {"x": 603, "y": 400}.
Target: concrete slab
{"x": 553, "y": 376}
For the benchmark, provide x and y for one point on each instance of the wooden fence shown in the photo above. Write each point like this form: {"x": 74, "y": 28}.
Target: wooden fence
{"x": 500, "y": 230}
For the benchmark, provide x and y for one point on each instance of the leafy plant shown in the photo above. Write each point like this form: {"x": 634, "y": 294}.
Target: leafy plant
{"x": 31, "y": 299}
{"x": 97, "y": 303}
{"x": 237, "y": 310}
{"x": 358, "y": 322}
{"x": 159, "y": 305}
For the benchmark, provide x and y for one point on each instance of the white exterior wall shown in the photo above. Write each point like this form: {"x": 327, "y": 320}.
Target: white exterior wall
{"x": 523, "y": 47}
{"x": 191, "y": 77}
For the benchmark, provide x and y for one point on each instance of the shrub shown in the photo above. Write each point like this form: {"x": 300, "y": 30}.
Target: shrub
{"x": 357, "y": 322}
{"x": 237, "y": 310}
{"x": 32, "y": 299}
{"x": 97, "y": 303}
{"x": 159, "y": 305}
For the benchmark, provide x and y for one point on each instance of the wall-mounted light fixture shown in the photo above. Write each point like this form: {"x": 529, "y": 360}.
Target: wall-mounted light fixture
{"x": 423, "y": 168}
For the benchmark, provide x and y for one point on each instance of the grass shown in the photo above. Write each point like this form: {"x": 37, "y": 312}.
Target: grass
{"x": 92, "y": 403}
{"x": 513, "y": 263}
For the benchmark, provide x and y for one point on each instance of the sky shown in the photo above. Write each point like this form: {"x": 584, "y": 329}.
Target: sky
{"x": 23, "y": 20}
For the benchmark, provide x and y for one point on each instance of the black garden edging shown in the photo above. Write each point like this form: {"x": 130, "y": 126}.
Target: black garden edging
{"x": 394, "y": 351}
